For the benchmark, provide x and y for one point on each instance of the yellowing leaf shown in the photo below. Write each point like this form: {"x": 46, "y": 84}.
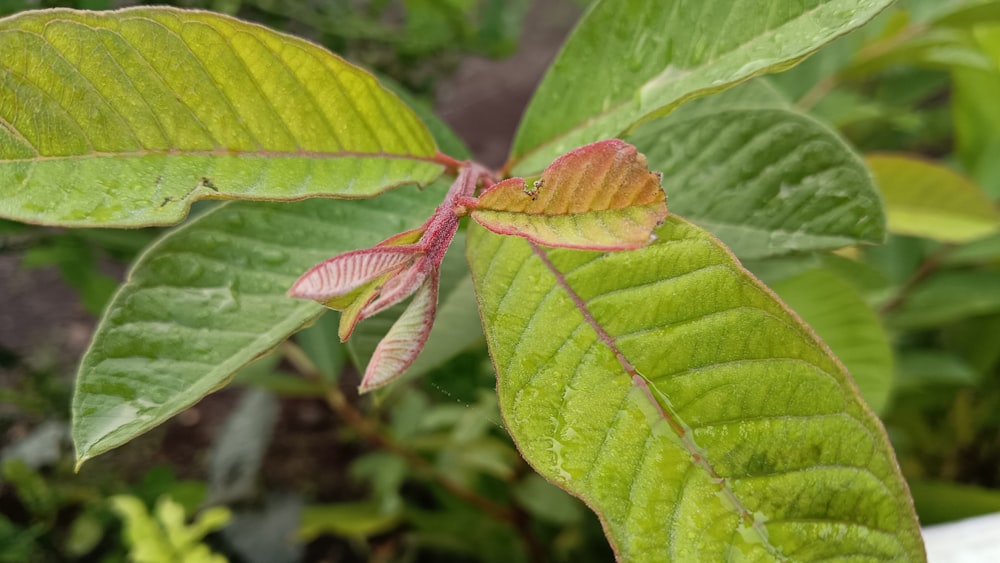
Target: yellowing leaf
{"x": 598, "y": 197}
{"x": 928, "y": 200}
{"x": 124, "y": 118}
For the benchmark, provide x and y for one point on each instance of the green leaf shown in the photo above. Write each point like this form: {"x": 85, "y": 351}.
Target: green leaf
{"x": 938, "y": 501}
{"x": 134, "y": 114}
{"x": 348, "y": 519}
{"x": 765, "y": 181}
{"x": 925, "y": 199}
{"x": 984, "y": 250}
{"x": 633, "y": 59}
{"x": 977, "y": 115}
{"x": 686, "y": 405}
{"x": 968, "y": 14}
{"x": 840, "y": 316}
{"x": 209, "y": 298}
{"x": 323, "y": 348}
{"x": 598, "y": 197}
{"x": 948, "y": 297}
{"x": 923, "y": 369}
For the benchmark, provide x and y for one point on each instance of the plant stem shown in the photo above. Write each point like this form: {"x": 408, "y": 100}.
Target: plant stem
{"x": 335, "y": 398}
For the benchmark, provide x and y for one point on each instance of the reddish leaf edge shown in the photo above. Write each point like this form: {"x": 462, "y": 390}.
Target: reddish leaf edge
{"x": 620, "y": 158}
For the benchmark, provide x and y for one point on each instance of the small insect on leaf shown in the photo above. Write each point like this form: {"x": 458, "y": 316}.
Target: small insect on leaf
{"x": 598, "y": 197}
{"x": 533, "y": 191}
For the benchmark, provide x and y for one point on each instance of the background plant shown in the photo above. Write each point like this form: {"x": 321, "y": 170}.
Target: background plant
{"x": 803, "y": 277}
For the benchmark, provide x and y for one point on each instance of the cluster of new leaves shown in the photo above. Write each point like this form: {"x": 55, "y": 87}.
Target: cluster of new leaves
{"x": 664, "y": 385}
{"x": 598, "y": 197}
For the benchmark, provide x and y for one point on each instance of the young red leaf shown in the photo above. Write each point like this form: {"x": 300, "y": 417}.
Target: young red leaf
{"x": 401, "y": 345}
{"x": 598, "y": 197}
{"x": 342, "y": 274}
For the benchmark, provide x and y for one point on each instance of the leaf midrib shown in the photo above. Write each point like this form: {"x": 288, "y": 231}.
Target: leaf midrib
{"x": 305, "y": 154}
{"x": 680, "y": 429}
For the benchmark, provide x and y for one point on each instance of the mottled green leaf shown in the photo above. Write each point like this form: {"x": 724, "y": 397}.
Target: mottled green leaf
{"x": 686, "y": 405}
{"x": 631, "y": 59}
{"x": 840, "y": 316}
{"x": 765, "y": 181}
{"x": 209, "y": 298}
{"x": 124, "y": 118}
{"x": 925, "y": 199}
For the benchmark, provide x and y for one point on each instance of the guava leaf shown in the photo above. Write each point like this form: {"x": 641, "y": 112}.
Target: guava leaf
{"x": 927, "y": 200}
{"x": 208, "y": 298}
{"x": 632, "y": 59}
{"x": 838, "y": 313}
{"x": 685, "y": 404}
{"x": 598, "y": 197}
{"x": 405, "y": 339}
{"x": 456, "y": 328}
{"x": 124, "y": 118}
{"x": 765, "y": 181}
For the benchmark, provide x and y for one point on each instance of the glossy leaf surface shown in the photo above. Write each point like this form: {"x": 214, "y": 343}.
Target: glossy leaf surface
{"x": 765, "y": 180}
{"x": 686, "y": 405}
{"x": 598, "y": 197}
{"x": 629, "y": 59}
{"x": 209, "y": 298}
{"x": 928, "y": 200}
{"x": 124, "y": 118}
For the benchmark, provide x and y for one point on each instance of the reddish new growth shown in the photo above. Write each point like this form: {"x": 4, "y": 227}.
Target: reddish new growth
{"x": 598, "y": 197}
{"x": 362, "y": 283}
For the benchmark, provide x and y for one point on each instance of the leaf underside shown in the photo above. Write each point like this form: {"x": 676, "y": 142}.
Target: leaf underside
{"x": 766, "y": 181}
{"x": 124, "y": 118}
{"x": 209, "y": 298}
{"x": 686, "y": 405}
{"x": 632, "y": 59}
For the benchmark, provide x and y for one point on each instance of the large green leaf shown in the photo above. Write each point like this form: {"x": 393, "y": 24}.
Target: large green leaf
{"x": 765, "y": 180}
{"x": 124, "y": 118}
{"x": 686, "y": 405}
{"x": 629, "y": 59}
{"x": 209, "y": 298}
{"x": 839, "y": 315}
{"x": 925, "y": 199}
